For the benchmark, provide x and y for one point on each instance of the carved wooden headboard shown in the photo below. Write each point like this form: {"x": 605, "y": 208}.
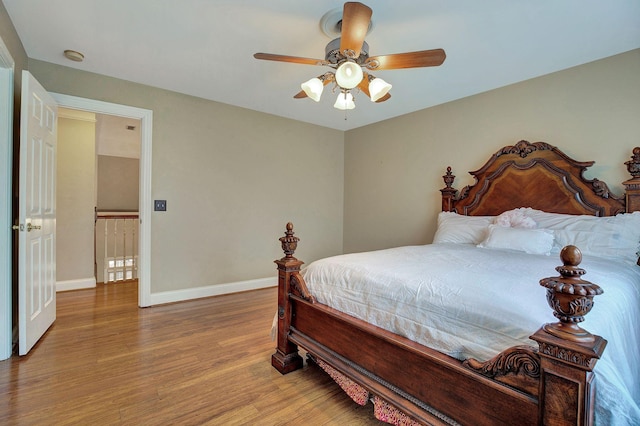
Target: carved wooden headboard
{"x": 540, "y": 176}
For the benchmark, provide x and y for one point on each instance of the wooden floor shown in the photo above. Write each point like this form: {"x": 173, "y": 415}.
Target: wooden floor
{"x": 106, "y": 361}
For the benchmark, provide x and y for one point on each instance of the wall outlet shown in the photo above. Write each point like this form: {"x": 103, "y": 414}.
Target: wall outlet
{"x": 160, "y": 205}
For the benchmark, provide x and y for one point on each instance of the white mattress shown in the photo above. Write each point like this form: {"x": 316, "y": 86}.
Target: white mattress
{"x": 472, "y": 302}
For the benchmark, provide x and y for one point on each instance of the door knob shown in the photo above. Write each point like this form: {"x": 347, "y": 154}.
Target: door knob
{"x": 30, "y": 227}
{"x": 17, "y": 227}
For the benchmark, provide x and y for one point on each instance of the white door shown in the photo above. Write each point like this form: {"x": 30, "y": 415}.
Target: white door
{"x": 37, "y": 213}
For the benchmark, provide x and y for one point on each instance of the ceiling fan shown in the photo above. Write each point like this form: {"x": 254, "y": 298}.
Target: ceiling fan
{"x": 349, "y": 54}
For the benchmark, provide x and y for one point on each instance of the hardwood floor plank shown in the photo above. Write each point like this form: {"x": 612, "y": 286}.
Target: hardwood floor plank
{"x": 206, "y": 361}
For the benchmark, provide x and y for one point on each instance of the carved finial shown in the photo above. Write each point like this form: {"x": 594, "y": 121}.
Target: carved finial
{"x": 571, "y": 257}
{"x": 448, "y": 178}
{"x": 524, "y": 148}
{"x": 633, "y": 165}
{"x": 289, "y": 242}
{"x": 448, "y": 192}
{"x": 570, "y": 297}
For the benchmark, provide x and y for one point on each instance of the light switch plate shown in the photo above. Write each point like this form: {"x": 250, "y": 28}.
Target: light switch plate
{"x": 160, "y": 205}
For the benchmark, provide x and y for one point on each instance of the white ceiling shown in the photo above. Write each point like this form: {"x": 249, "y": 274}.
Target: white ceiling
{"x": 205, "y": 47}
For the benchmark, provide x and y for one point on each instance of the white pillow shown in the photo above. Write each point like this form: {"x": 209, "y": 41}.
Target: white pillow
{"x": 532, "y": 241}
{"x": 460, "y": 229}
{"x": 612, "y": 237}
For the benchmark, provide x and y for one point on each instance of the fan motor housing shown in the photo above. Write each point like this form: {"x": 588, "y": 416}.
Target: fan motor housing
{"x": 333, "y": 55}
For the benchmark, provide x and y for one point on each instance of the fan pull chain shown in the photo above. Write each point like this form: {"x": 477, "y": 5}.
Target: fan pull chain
{"x": 345, "y": 110}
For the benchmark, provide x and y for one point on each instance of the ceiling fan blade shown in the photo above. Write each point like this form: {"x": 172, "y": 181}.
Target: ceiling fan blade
{"x": 355, "y": 24}
{"x": 364, "y": 85}
{"x": 422, "y": 58}
{"x": 292, "y": 59}
{"x": 384, "y": 98}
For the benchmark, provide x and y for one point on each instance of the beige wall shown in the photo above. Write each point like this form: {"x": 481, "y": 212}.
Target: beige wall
{"x": 118, "y": 183}
{"x": 226, "y": 171}
{"x": 75, "y": 196}
{"x": 12, "y": 41}
{"x": 232, "y": 178}
{"x": 393, "y": 169}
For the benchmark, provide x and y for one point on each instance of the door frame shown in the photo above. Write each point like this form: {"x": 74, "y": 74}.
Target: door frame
{"x": 7, "y": 69}
{"x": 145, "y": 202}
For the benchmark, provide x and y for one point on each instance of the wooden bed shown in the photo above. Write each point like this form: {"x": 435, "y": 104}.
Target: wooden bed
{"x": 550, "y": 384}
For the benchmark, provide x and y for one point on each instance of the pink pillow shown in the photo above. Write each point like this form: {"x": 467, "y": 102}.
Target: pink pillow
{"x": 515, "y": 219}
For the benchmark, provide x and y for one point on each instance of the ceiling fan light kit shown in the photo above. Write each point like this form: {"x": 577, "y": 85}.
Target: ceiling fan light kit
{"x": 348, "y": 75}
{"x": 313, "y": 88}
{"x": 378, "y": 88}
{"x": 348, "y": 54}
{"x": 344, "y": 101}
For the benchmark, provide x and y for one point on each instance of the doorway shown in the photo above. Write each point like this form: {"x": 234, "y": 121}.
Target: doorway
{"x": 98, "y": 199}
{"x": 145, "y": 203}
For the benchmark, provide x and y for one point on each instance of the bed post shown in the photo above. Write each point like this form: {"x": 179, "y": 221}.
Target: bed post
{"x": 567, "y": 352}
{"x": 633, "y": 185}
{"x": 286, "y": 357}
{"x": 448, "y": 192}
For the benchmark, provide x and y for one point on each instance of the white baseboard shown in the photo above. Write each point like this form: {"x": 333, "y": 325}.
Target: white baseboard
{"x": 211, "y": 290}
{"x": 75, "y": 284}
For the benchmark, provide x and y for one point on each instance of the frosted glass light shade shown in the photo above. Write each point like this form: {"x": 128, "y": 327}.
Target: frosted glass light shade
{"x": 378, "y": 88}
{"x": 348, "y": 75}
{"x": 344, "y": 101}
{"x": 313, "y": 88}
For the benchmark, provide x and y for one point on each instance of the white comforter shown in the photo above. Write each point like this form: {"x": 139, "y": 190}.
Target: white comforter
{"x": 472, "y": 302}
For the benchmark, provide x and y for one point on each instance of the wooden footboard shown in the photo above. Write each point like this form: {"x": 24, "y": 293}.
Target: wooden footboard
{"x": 551, "y": 384}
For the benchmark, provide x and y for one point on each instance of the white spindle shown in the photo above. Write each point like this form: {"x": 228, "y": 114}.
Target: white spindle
{"x": 123, "y": 266}
{"x": 134, "y": 251}
{"x": 115, "y": 249}
{"x": 105, "y": 265}
{"x": 124, "y": 249}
